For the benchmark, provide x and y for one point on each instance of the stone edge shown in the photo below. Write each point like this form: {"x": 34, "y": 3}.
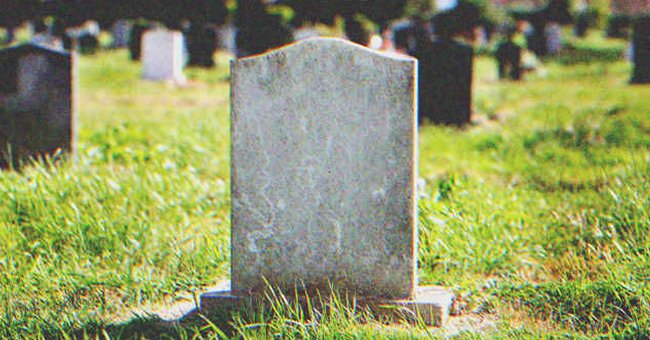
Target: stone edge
{"x": 431, "y": 304}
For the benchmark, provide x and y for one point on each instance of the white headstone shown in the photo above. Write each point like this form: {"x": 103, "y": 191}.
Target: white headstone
{"x": 162, "y": 56}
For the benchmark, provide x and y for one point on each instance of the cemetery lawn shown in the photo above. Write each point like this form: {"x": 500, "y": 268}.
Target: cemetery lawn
{"x": 538, "y": 216}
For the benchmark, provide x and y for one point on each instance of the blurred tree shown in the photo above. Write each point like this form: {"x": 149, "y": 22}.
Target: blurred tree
{"x": 379, "y": 12}
{"x": 15, "y": 12}
{"x": 558, "y": 11}
{"x": 259, "y": 30}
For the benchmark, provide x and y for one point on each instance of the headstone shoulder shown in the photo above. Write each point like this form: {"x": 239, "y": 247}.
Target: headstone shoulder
{"x": 323, "y": 43}
{"x": 35, "y": 48}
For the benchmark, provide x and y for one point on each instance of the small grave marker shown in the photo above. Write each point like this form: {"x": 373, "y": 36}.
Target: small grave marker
{"x": 324, "y": 144}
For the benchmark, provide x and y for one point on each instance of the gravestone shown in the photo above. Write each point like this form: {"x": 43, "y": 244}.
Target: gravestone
{"x": 201, "y": 42}
{"x": 508, "y": 55}
{"x": 553, "y": 33}
{"x": 641, "y": 51}
{"x": 162, "y": 55}
{"x": 85, "y": 37}
{"x": 226, "y": 39}
{"x": 120, "y": 31}
{"x": 36, "y": 103}
{"x": 638, "y": 13}
{"x": 451, "y": 89}
{"x": 324, "y": 145}
{"x": 135, "y": 40}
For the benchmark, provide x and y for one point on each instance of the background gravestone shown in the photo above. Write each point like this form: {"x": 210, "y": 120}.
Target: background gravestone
{"x": 324, "y": 137}
{"x": 641, "y": 54}
{"x": 162, "y": 55}
{"x": 36, "y": 103}
{"x": 448, "y": 75}
{"x": 135, "y": 40}
{"x": 639, "y": 13}
{"x": 120, "y": 31}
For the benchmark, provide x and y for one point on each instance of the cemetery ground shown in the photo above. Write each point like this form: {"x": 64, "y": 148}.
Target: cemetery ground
{"x": 538, "y": 216}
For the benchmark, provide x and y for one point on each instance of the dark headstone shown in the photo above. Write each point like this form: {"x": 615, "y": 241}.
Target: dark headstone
{"x": 641, "y": 56}
{"x": 536, "y": 39}
{"x": 508, "y": 56}
{"x": 201, "y": 41}
{"x": 617, "y": 26}
{"x": 9, "y": 76}
{"x": 135, "y": 40}
{"x": 448, "y": 92}
{"x": 88, "y": 43}
{"x": 36, "y": 103}
{"x": 414, "y": 38}
{"x": 583, "y": 21}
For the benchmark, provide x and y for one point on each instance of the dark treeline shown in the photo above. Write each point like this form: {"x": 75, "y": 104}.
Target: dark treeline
{"x": 75, "y": 12}
{"x": 259, "y": 28}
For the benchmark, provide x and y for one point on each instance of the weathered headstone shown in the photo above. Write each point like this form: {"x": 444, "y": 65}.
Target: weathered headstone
{"x": 162, "y": 55}
{"x": 324, "y": 140}
{"x": 36, "y": 103}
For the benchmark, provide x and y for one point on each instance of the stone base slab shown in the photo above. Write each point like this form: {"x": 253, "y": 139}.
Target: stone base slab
{"x": 431, "y": 305}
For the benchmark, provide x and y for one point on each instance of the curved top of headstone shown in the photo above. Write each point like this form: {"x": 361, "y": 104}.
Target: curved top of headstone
{"x": 38, "y": 48}
{"x": 314, "y": 45}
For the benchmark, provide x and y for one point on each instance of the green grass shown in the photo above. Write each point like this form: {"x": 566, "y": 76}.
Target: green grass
{"x": 538, "y": 216}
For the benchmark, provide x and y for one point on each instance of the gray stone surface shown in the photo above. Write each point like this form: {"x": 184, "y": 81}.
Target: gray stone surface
{"x": 36, "y": 103}
{"x": 323, "y": 170}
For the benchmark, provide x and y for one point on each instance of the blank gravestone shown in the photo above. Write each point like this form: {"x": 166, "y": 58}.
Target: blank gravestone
{"x": 36, "y": 103}
{"x": 324, "y": 145}
{"x": 162, "y": 56}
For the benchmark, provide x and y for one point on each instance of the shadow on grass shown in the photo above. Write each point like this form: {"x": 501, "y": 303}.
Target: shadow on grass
{"x": 192, "y": 325}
